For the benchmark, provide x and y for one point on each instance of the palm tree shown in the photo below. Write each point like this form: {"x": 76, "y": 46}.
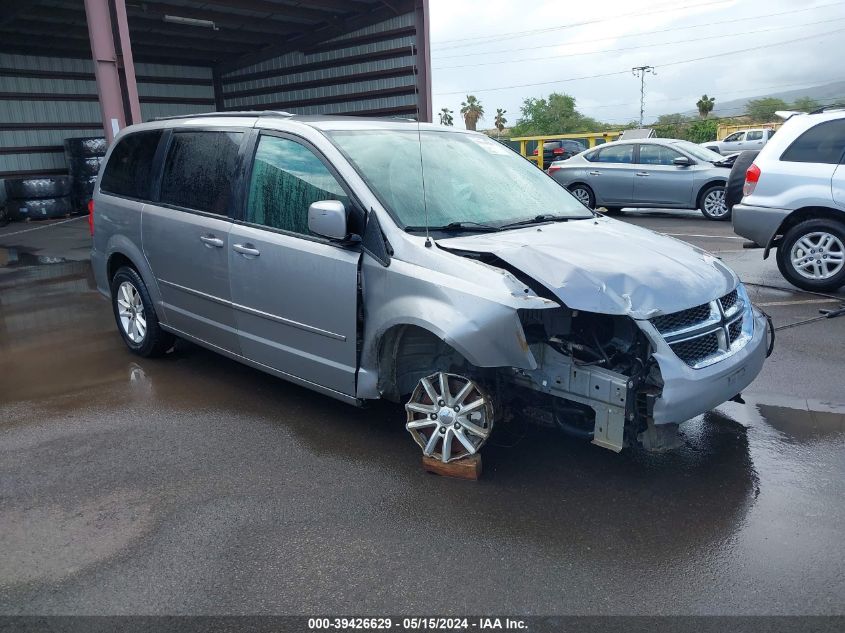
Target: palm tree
{"x": 500, "y": 120}
{"x": 446, "y": 117}
{"x": 472, "y": 111}
{"x": 705, "y": 105}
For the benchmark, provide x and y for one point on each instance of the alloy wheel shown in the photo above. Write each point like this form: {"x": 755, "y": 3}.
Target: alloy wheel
{"x": 818, "y": 255}
{"x": 449, "y": 416}
{"x": 582, "y": 195}
{"x": 130, "y": 310}
{"x": 714, "y": 203}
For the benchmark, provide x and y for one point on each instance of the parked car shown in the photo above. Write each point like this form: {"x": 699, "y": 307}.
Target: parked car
{"x": 560, "y": 150}
{"x": 741, "y": 141}
{"x": 317, "y": 250}
{"x": 657, "y": 173}
{"x": 794, "y": 200}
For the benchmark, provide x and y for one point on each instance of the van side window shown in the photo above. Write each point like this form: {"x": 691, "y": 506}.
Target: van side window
{"x": 286, "y": 179}
{"x": 129, "y": 170}
{"x": 824, "y": 143}
{"x": 199, "y": 170}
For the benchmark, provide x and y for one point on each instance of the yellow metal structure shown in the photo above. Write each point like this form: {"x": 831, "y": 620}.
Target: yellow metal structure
{"x": 592, "y": 139}
{"x": 724, "y": 130}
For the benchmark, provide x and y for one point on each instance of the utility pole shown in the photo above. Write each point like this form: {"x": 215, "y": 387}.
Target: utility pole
{"x": 641, "y": 72}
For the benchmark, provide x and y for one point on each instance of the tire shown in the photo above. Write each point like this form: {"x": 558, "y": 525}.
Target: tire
{"x": 711, "y": 203}
{"x": 80, "y": 168}
{"x": 832, "y": 276}
{"x": 84, "y": 185}
{"x": 42, "y": 209}
{"x": 613, "y": 210}
{"x": 84, "y": 146}
{"x": 153, "y": 341}
{"x": 736, "y": 179}
{"x": 584, "y": 195}
{"x": 36, "y": 188}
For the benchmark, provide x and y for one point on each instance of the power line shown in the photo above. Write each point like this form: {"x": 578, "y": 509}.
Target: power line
{"x": 549, "y": 58}
{"x": 515, "y": 35}
{"x": 638, "y": 34}
{"x": 666, "y": 65}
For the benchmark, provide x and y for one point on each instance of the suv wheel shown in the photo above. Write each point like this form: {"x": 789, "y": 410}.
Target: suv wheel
{"x": 584, "y": 195}
{"x": 135, "y": 315}
{"x": 713, "y": 205}
{"x": 449, "y": 416}
{"x": 812, "y": 255}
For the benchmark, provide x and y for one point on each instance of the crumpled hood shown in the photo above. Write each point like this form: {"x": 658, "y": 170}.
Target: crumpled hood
{"x": 607, "y": 266}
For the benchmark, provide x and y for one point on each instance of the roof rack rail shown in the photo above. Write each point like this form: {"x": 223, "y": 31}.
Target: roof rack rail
{"x": 224, "y": 114}
{"x": 832, "y": 106}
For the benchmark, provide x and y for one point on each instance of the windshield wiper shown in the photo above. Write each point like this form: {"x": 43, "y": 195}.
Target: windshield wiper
{"x": 465, "y": 226}
{"x": 538, "y": 219}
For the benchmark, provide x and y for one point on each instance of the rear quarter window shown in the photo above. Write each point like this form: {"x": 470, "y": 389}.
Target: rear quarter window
{"x": 824, "y": 143}
{"x": 129, "y": 170}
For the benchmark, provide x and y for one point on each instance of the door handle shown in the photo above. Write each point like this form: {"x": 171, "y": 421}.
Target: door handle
{"x": 210, "y": 240}
{"x": 643, "y": 173}
{"x": 246, "y": 249}
{"x": 595, "y": 173}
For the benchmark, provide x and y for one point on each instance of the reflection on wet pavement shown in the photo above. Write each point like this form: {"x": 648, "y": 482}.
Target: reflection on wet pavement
{"x": 193, "y": 483}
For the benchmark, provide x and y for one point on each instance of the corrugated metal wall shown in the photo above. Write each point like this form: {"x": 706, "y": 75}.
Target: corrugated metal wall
{"x": 44, "y": 100}
{"x": 366, "y": 72}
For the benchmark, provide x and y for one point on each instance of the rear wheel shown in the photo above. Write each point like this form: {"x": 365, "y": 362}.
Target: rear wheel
{"x": 712, "y": 203}
{"x": 584, "y": 195}
{"x": 135, "y": 315}
{"x": 812, "y": 255}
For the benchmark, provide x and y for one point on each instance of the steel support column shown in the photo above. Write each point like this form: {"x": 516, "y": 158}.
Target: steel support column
{"x": 423, "y": 61}
{"x": 114, "y": 69}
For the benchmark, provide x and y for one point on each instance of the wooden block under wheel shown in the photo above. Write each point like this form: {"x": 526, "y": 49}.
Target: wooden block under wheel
{"x": 465, "y": 468}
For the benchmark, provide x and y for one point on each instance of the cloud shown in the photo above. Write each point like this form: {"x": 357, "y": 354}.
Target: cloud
{"x": 691, "y": 29}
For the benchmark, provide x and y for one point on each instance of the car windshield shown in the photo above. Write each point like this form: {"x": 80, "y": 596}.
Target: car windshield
{"x": 469, "y": 178}
{"x": 701, "y": 153}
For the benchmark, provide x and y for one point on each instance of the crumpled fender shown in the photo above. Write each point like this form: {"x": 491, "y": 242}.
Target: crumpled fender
{"x": 477, "y": 317}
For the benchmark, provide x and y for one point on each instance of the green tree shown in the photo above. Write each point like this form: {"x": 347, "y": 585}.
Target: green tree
{"x": 500, "y": 119}
{"x": 446, "y": 117}
{"x": 701, "y": 131}
{"x": 556, "y": 114}
{"x": 705, "y": 105}
{"x": 472, "y": 111}
{"x": 762, "y": 110}
{"x": 806, "y": 104}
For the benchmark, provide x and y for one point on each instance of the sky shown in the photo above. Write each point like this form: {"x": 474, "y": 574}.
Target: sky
{"x": 476, "y": 48}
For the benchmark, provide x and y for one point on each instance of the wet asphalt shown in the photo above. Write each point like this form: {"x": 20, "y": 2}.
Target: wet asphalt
{"x": 192, "y": 484}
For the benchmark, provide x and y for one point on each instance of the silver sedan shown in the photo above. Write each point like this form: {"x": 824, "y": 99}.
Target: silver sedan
{"x": 656, "y": 173}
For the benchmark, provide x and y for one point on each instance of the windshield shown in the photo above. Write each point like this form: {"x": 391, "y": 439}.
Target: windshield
{"x": 469, "y": 178}
{"x": 701, "y": 153}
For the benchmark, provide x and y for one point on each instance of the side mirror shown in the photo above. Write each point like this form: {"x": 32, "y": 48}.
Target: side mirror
{"x": 328, "y": 219}
{"x": 682, "y": 161}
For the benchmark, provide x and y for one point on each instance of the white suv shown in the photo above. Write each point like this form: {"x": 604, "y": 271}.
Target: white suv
{"x": 794, "y": 200}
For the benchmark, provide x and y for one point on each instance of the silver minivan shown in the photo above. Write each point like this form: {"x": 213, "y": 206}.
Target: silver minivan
{"x": 369, "y": 259}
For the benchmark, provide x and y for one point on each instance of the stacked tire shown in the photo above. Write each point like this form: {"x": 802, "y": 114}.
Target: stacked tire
{"x": 38, "y": 198}
{"x": 84, "y": 156}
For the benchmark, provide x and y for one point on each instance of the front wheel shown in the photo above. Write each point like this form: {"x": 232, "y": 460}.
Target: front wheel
{"x": 584, "y": 195}
{"x": 713, "y": 205}
{"x": 812, "y": 255}
{"x": 449, "y": 416}
{"x": 135, "y": 315}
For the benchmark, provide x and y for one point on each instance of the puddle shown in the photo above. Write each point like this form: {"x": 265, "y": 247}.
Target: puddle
{"x": 15, "y": 256}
